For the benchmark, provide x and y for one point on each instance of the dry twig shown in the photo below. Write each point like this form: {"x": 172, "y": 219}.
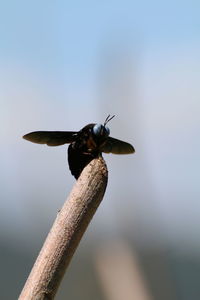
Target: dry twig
{"x": 66, "y": 233}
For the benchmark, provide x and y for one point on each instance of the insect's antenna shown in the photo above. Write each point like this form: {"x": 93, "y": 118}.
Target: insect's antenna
{"x": 108, "y": 119}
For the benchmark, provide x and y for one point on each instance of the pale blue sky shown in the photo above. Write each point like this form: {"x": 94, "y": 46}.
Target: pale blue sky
{"x": 65, "y": 36}
{"x": 49, "y": 58}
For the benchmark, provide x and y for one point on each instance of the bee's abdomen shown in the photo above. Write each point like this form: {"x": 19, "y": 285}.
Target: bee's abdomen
{"x": 78, "y": 159}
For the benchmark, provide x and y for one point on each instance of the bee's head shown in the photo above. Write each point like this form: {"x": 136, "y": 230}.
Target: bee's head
{"x": 102, "y": 131}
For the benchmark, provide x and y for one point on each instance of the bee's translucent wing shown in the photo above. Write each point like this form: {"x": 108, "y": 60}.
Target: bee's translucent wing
{"x": 116, "y": 146}
{"x": 51, "y": 138}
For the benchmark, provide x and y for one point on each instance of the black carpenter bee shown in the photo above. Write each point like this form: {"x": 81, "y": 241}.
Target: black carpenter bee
{"x": 85, "y": 145}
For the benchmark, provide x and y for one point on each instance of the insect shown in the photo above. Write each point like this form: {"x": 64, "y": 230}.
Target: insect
{"x": 85, "y": 145}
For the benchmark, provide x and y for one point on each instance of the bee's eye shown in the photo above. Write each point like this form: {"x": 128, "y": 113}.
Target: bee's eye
{"x": 97, "y": 129}
{"x": 107, "y": 130}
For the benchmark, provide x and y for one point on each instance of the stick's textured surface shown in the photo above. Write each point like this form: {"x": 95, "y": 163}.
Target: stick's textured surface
{"x": 66, "y": 233}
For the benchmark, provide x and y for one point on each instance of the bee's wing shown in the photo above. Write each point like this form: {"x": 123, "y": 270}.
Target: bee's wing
{"x": 116, "y": 146}
{"x": 51, "y": 138}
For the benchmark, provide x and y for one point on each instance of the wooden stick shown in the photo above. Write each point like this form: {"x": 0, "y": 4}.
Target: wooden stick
{"x": 66, "y": 233}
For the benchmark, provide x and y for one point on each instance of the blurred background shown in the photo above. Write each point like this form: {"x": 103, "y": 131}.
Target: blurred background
{"x": 64, "y": 64}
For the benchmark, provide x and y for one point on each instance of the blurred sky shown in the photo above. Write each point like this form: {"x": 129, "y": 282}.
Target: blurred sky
{"x": 52, "y": 68}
